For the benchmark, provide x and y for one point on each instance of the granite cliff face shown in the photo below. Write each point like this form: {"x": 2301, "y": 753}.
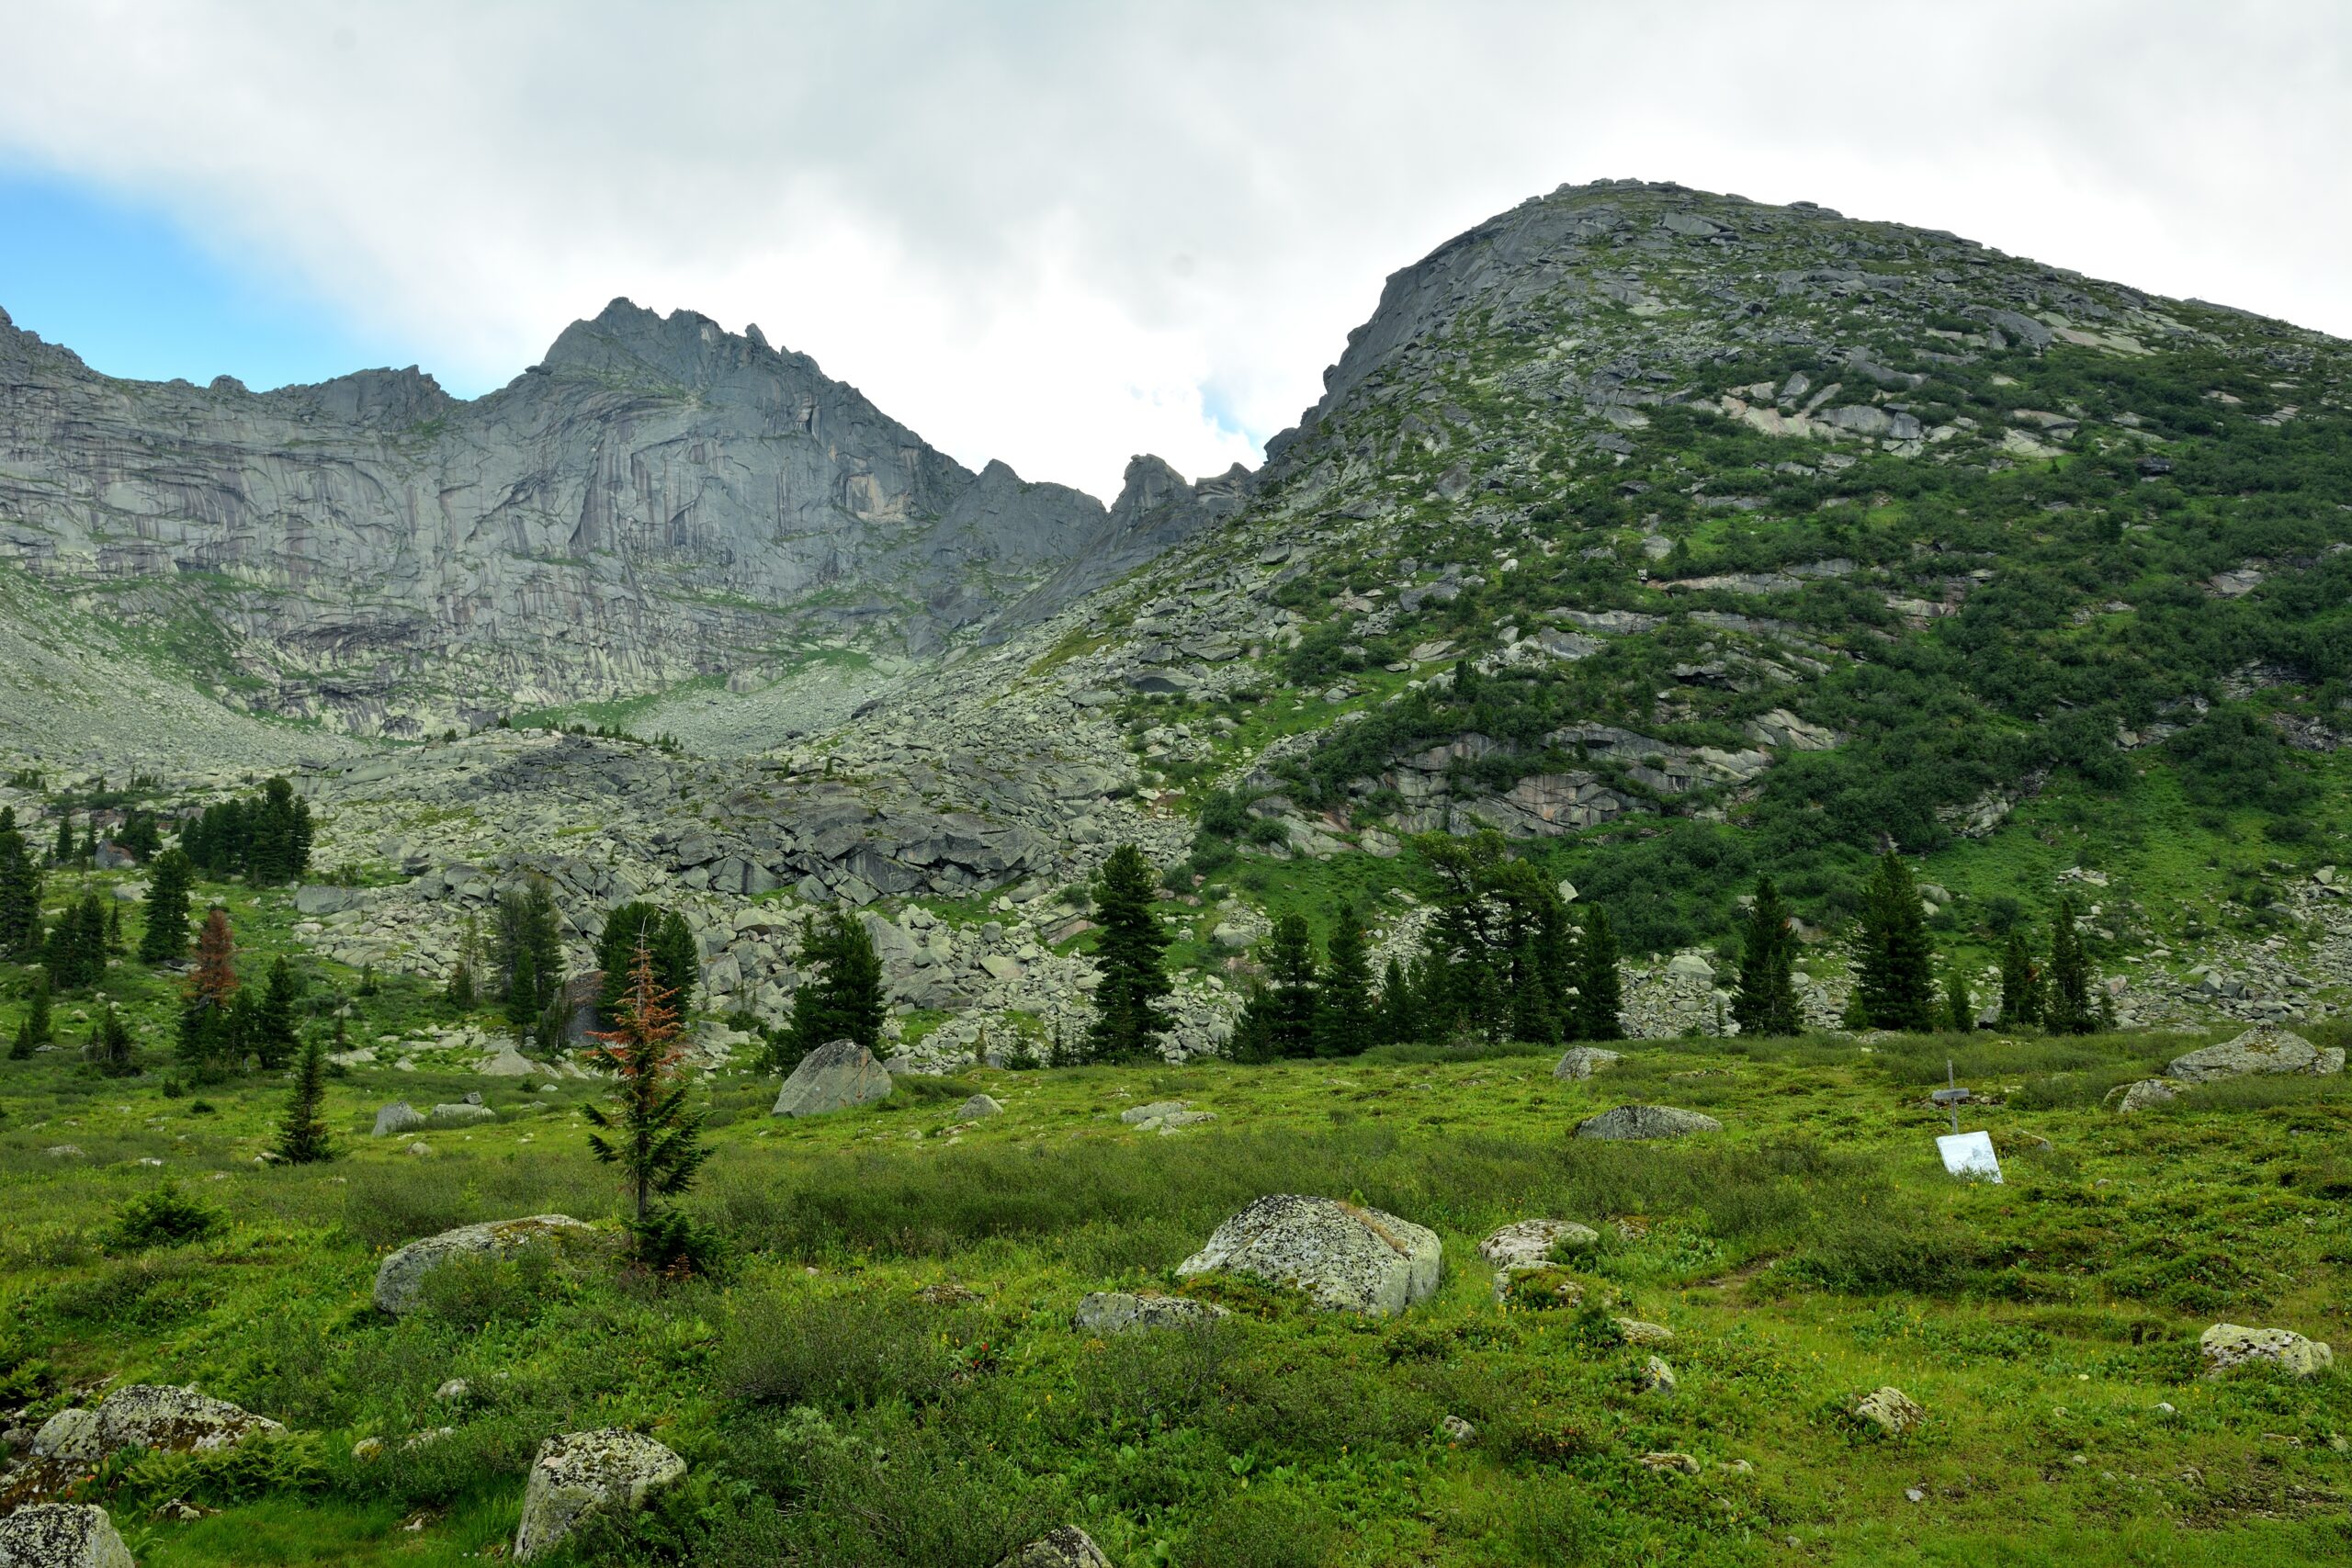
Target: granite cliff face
{"x": 659, "y": 500}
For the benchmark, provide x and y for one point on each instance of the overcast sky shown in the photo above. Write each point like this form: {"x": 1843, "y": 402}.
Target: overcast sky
{"x": 1059, "y": 234}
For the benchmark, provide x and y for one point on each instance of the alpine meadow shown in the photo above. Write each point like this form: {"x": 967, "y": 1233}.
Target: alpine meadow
{"x": 1707, "y": 924}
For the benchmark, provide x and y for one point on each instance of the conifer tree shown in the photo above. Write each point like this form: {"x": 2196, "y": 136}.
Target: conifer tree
{"x": 272, "y": 1036}
{"x": 1960, "y": 1007}
{"x": 677, "y": 964}
{"x": 1128, "y": 953}
{"x": 109, "y": 1049}
{"x": 166, "y": 936}
{"x": 207, "y": 1034}
{"x": 65, "y": 836}
{"x": 1765, "y": 1002}
{"x": 1600, "y": 992}
{"x": 1399, "y": 1019}
{"x": 36, "y": 1019}
{"x": 302, "y": 1137}
{"x": 1896, "y": 976}
{"x": 527, "y": 953}
{"x": 1292, "y": 991}
{"x": 2068, "y": 1006}
{"x": 20, "y": 929}
{"x": 840, "y": 996}
{"x": 2020, "y": 993}
{"x": 1345, "y": 1023}
{"x": 21, "y": 1047}
{"x": 655, "y": 1140}
{"x": 77, "y": 954}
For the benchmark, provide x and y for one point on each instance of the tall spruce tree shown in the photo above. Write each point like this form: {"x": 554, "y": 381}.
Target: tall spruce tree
{"x": 207, "y": 1034}
{"x": 840, "y": 996}
{"x": 1959, "y": 1006}
{"x": 36, "y": 1019}
{"x": 2020, "y": 988}
{"x": 110, "y": 1048}
{"x": 648, "y": 1132}
{"x": 20, "y": 929}
{"x": 76, "y": 952}
{"x": 1896, "y": 976}
{"x": 2068, "y": 1004}
{"x": 165, "y": 940}
{"x": 1400, "y": 1018}
{"x": 527, "y": 951}
{"x": 272, "y": 1036}
{"x": 1128, "y": 953}
{"x": 1766, "y": 1001}
{"x": 666, "y": 938}
{"x": 1600, "y": 1000}
{"x": 1346, "y": 1022}
{"x": 302, "y": 1137}
{"x": 1291, "y": 992}
{"x": 66, "y": 848}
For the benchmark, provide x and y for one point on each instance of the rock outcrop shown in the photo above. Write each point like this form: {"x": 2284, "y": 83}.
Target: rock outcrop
{"x": 609, "y": 1470}
{"x": 2265, "y": 1048}
{"x": 1345, "y": 1258}
{"x": 1117, "y": 1312}
{"x": 61, "y": 1535}
{"x": 148, "y": 1416}
{"x": 399, "y": 1279}
{"x": 2228, "y": 1346}
{"x": 834, "y": 1077}
{"x": 1646, "y": 1122}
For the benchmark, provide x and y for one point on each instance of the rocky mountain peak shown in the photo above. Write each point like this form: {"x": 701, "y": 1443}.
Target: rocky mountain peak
{"x": 626, "y": 341}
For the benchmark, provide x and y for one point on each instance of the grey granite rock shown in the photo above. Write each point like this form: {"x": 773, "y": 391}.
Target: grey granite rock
{"x": 834, "y": 1077}
{"x": 580, "y": 1473}
{"x": 1646, "y": 1122}
{"x": 61, "y": 1535}
{"x": 1343, "y": 1257}
{"x": 400, "y": 1277}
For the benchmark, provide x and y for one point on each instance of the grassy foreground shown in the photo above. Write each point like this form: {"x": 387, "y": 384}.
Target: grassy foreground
{"x": 1807, "y": 1254}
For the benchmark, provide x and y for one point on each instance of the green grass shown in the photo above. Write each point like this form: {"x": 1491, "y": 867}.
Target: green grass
{"x": 1811, "y": 1252}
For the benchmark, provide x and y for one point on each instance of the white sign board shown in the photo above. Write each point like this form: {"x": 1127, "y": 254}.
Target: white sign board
{"x": 1970, "y": 1155}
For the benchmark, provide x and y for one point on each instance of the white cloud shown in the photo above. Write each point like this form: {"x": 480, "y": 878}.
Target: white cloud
{"x": 1063, "y": 233}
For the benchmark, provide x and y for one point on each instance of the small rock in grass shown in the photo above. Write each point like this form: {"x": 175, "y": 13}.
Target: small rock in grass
{"x": 1067, "y": 1547}
{"x": 1657, "y": 1376}
{"x": 1117, "y": 1312}
{"x": 1637, "y": 1332}
{"x": 1678, "y": 1464}
{"x": 1534, "y": 1241}
{"x": 1457, "y": 1430}
{"x": 2226, "y": 1346}
{"x": 1581, "y": 1061}
{"x": 978, "y": 1106}
{"x": 2130, "y": 1097}
{"x": 1891, "y": 1410}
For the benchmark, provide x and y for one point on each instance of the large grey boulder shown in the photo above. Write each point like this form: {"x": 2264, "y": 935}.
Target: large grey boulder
{"x": 1069, "y": 1547}
{"x": 148, "y": 1416}
{"x": 1646, "y": 1122}
{"x": 399, "y": 1279}
{"x": 2265, "y": 1048}
{"x": 833, "y": 1077}
{"x": 61, "y": 1535}
{"x": 2227, "y": 1345}
{"x": 609, "y": 1470}
{"x": 978, "y": 1106}
{"x": 1345, "y": 1258}
{"x": 1583, "y": 1061}
{"x": 1891, "y": 1410}
{"x": 397, "y": 1117}
{"x": 1117, "y": 1312}
{"x": 460, "y": 1115}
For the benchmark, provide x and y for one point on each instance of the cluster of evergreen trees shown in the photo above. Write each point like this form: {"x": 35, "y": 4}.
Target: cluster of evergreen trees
{"x": 265, "y": 839}
{"x": 223, "y": 1023}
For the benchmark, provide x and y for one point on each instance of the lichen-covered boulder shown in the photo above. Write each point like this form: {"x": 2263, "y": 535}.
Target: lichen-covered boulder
{"x": 1164, "y": 1116}
{"x": 61, "y": 1535}
{"x": 609, "y": 1470}
{"x": 2265, "y": 1048}
{"x": 399, "y": 1279}
{"x": 834, "y": 1077}
{"x": 1534, "y": 1241}
{"x": 1117, "y": 1312}
{"x": 2127, "y": 1097}
{"x": 398, "y": 1117}
{"x": 1891, "y": 1410}
{"x": 1583, "y": 1061}
{"x": 977, "y": 1106}
{"x": 461, "y": 1114}
{"x": 1345, "y": 1258}
{"x": 1646, "y": 1122}
{"x": 1069, "y": 1547}
{"x": 148, "y": 1416}
{"x": 2226, "y": 1346}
